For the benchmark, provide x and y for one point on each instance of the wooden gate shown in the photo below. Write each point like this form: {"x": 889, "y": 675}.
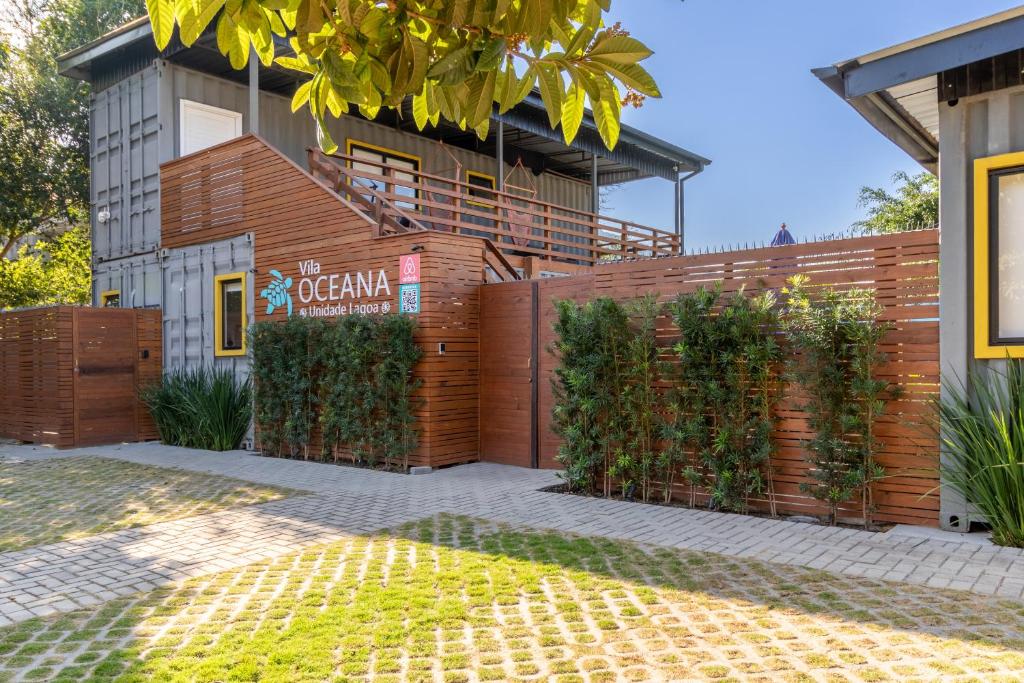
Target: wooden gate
{"x": 71, "y": 376}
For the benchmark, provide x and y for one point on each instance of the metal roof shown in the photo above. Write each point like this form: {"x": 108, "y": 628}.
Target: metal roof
{"x": 528, "y": 133}
{"x": 897, "y": 88}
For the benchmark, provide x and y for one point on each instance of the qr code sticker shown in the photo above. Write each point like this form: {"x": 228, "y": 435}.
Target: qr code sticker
{"x": 409, "y": 299}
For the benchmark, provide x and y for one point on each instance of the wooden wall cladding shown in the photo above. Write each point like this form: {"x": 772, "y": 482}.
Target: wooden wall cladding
{"x": 902, "y": 268}
{"x": 246, "y": 186}
{"x": 71, "y": 376}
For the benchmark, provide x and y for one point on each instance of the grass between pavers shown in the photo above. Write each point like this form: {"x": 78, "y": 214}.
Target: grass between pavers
{"x": 66, "y": 498}
{"x": 457, "y": 599}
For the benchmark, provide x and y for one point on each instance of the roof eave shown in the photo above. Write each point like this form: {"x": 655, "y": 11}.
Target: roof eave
{"x": 75, "y": 63}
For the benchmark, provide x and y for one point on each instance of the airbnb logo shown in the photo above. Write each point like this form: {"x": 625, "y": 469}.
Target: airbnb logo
{"x": 409, "y": 269}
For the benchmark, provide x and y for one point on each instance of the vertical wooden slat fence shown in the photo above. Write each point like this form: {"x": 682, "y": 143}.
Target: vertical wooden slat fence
{"x": 70, "y": 376}
{"x": 902, "y": 268}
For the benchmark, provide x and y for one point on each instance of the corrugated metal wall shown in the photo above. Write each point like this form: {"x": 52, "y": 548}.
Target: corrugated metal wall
{"x": 125, "y": 163}
{"x": 136, "y": 277}
{"x": 188, "y": 302}
{"x": 293, "y": 133}
{"x": 976, "y": 127}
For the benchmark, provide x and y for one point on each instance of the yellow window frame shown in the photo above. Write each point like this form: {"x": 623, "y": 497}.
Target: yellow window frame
{"x": 983, "y": 346}
{"x": 489, "y": 178}
{"x": 107, "y": 294}
{"x": 352, "y": 143}
{"x": 218, "y": 313}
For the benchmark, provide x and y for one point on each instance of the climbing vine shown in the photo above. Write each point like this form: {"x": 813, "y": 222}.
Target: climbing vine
{"x": 347, "y": 380}
{"x": 836, "y": 337}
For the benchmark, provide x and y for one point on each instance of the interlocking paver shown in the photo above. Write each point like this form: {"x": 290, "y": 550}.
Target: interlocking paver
{"x": 454, "y": 598}
{"x": 339, "y": 501}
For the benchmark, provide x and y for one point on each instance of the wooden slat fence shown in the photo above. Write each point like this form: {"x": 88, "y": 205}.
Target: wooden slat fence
{"x": 902, "y": 268}
{"x": 70, "y": 376}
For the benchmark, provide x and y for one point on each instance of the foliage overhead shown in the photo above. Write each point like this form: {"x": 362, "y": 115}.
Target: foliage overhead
{"x": 915, "y": 205}
{"x": 983, "y": 432}
{"x": 456, "y": 59}
{"x": 51, "y": 271}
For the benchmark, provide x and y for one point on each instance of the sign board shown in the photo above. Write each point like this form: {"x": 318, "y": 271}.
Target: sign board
{"x": 408, "y": 269}
{"x": 409, "y": 298}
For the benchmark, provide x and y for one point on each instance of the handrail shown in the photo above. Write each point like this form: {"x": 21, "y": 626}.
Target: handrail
{"x": 516, "y": 224}
{"x": 390, "y": 219}
{"x": 503, "y": 270}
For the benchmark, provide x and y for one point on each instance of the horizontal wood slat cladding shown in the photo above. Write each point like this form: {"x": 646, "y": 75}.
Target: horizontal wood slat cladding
{"x": 246, "y": 186}
{"x": 903, "y": 268}
{"x": 70, "y": 376}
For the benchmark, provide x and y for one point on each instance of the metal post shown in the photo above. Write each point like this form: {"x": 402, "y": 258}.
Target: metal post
{"x": 499, "y": 176}
{"x": 254, "y": 92}
{"x": 595, "y": 188}
{"x": 679, "y": 211}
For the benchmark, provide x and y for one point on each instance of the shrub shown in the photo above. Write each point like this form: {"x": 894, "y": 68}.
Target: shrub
{"x": 200, "y": 408}
{"x": 983, "y": 432}
{"x": 351, "y": 376}
{"x": 836, "y": 337}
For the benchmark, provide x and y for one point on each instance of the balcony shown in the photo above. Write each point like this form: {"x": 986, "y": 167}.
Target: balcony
{"x": 520, "y": 228}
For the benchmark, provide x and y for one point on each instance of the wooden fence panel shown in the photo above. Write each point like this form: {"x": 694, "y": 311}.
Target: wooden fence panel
{"x": 902, "y": 268}
{"x": 70, "y": 376}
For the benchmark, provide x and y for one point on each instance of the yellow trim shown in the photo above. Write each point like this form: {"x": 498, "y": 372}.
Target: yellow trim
{"x": 218, "y": 314}
{"x": 983, "y": 348}
{"x": 106, "y": 294}
{"x": 477, "y": 174}
{"x": 351, "y": 142}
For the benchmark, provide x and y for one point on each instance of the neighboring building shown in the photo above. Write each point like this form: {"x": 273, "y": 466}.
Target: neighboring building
{"x": 954, "y": 101}
{"x": 151, "y": 107}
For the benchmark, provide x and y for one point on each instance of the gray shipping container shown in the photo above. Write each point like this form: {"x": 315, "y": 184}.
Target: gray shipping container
{"x": 136, "y": 278}
{"x": 188, "y": 301}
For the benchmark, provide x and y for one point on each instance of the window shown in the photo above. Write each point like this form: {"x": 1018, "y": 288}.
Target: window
{"x": 204, "y": 126}
{"x": 400, "y": 170}
{"x": 229, "y": 315}
{"x": 999, "y": 256}
{"x": 486, "y": 183}
{"x": 110, "y": 298}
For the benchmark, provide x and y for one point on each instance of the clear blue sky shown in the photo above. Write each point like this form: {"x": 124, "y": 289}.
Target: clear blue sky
{"x": 735, "y": 75}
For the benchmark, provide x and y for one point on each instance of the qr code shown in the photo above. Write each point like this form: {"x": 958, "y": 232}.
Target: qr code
{"x": 409, "y": 299}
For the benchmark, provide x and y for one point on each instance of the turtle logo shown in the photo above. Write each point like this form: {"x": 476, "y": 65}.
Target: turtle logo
{"x": 276, "y": 292}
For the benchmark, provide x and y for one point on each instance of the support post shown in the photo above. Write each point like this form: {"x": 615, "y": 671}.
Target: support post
{"x": 680, "y": 212}
{"x": 499, "y": 142}
{"x": 254, "y": 92}
{"x": 595, "y": 188}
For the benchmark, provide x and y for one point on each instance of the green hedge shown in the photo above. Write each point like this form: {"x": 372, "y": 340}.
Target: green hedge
{"x": 201, "y": 408}
{"x": 347, "y": 379}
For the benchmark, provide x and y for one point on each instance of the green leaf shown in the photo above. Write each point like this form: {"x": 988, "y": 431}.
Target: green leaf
{"x": 161, "y": 18}
{"x": 230, "y": 41}
{"x": 296, "y": 65}
{"x": 301, "y": 96}
{"x": 551, "y": 92}
{"x": 450, "y": 61}
{"x": 492, "y": 54}
{"x": 606, "y": 113}
{"x": 572, "y": 112}
{"x": 620, "y": 49}
{"x": 420, "y": 113}
{"x": 632, "y": 75}
{"x": 482, "y": 99}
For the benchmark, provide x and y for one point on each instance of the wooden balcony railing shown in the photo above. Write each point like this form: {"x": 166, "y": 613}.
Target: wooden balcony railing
{"x": 515, "y": 224}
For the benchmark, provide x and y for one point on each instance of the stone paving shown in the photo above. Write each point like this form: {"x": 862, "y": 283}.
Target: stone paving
{"x": 458, "y": 599}
{"x": 58, "y": 500}
{"x": 342, "y": 501}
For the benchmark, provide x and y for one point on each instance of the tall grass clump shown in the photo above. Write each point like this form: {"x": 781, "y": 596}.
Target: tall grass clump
{"x": 983, "y": 432}
{"x": 200, "y": 408}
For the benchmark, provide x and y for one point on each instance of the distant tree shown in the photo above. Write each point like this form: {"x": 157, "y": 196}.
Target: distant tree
{"x": 456, "y": 59}
{"x": 44, "y": 126}
{"x": 54, "y": 271}
{"x": 914, "y": 205}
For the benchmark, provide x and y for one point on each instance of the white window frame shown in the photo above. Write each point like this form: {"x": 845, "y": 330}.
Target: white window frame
{"x": 185, "y": 105}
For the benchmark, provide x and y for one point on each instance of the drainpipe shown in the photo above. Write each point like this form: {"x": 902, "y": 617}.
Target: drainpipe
{"x": 680, "y": 213}
{"x": 254, "y": 92}
{"x": 595, "y": 189}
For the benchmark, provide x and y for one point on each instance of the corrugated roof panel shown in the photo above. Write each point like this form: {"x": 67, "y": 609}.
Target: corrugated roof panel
{"x": 920, "y": 99}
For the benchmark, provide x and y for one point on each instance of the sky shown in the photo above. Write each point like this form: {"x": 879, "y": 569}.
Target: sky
{"x": 737, "y": 89}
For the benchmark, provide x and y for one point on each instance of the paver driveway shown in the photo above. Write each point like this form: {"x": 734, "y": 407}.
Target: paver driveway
{"x": 457, "y": 599}
{"x": 471, "y": 587}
